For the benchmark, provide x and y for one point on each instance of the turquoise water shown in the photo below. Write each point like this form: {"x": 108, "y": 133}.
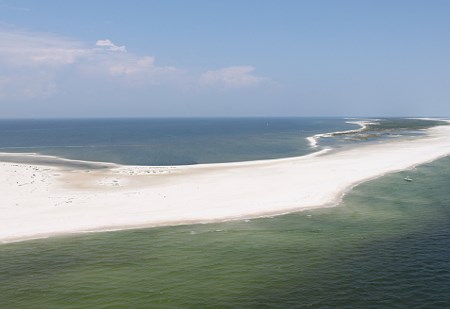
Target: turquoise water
{"x": 387, "y": 245}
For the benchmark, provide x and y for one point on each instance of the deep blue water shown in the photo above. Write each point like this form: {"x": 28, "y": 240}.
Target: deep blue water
{"x": 174, "y": 141}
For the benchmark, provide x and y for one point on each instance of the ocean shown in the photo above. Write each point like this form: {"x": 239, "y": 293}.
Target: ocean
{"x": 166, "y": 141}
{"x": 386, "y": 245}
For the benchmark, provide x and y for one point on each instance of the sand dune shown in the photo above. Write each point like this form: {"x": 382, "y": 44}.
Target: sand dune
{"x": 40, "y": 201}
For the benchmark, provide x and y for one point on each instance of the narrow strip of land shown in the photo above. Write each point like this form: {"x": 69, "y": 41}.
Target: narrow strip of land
{"x": 40, "y": 201}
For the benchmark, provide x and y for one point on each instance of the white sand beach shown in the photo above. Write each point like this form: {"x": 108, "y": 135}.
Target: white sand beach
{"x": 40, "y": 201}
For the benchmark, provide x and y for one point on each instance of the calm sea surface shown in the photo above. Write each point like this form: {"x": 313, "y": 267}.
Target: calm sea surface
{"x": 166, "y": 141}
{"x": 387, "y": 245}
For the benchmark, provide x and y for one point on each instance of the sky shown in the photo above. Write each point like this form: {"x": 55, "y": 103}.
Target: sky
{"x": 194, "y": 58}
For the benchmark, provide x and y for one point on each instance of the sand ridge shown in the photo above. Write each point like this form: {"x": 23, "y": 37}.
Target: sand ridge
{"x": 40, "y": 201}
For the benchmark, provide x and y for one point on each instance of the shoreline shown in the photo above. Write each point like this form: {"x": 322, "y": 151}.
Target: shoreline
{"x": 314, "y": 140}
{"x": 42, "y": 201}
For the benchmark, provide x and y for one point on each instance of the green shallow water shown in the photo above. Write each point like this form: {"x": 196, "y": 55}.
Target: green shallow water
{"x": 386, "y": 246}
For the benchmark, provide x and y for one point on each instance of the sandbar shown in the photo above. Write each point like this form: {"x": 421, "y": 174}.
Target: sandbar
{"x": 39, "y": 200}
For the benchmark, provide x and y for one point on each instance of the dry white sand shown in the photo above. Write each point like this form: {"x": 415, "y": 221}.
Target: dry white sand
{"x": 40, "y": 201}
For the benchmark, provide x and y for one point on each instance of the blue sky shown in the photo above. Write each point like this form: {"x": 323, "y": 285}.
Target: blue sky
{"x": 224, "y": 58}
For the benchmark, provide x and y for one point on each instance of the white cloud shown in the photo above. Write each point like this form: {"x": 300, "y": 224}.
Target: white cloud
{"x": 235, "y": 76}
{"x": 29, "y": 63}
{"x": 22, "y": 49}
{"x": 134, "y": 67}
{"x": 110, "y": 46}
{"x": 127, "y": 69}
{"x": 33, "y": 64}
{"x": 37, "y": 58}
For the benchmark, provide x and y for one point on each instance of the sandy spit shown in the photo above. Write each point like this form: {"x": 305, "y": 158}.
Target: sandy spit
{"x": 40, "y": 201}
